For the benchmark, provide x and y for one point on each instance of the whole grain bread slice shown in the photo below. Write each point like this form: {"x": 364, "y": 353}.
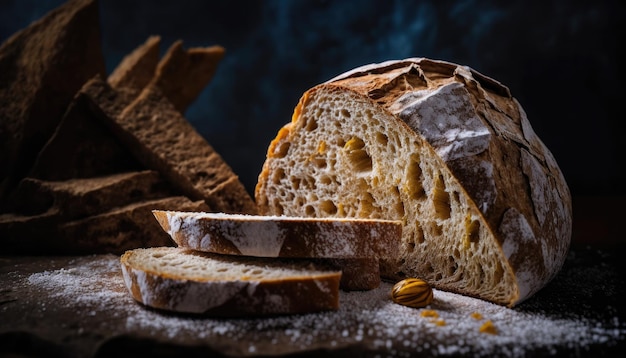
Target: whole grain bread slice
{"x": 187, "y": 281}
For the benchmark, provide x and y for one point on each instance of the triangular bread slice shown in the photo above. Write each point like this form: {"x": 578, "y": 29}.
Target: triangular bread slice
{"x": 137, "y": 68}
{"x": 41, "y": 68}
{"x": 281, "y": 236}
{"x": 187, "y": 281}
{"x": 447, "y": 150}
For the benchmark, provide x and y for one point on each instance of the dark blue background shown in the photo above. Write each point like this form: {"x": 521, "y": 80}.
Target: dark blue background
{"x": 559, "y": 58}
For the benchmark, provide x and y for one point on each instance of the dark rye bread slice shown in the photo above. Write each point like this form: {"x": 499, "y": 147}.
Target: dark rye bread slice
{"x": 76, "y": 198}
{"x": 123, "y": 228}
{"x": 88, "y": 148}
{"x": 182, "y": 74}
{"x": 282, "y": 236}
{"x": 163, "y": 140}
{"x": 187, "y": 281}
{"x": 41, "y": 68}
{"x": 137, "y": 69}
{"x": 114, "y": 231}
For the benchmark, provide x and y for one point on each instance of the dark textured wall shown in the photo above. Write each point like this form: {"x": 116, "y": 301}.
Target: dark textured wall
{"x": 560, "y": 59}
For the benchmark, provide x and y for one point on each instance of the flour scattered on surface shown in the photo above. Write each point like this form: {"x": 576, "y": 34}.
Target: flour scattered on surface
{"x": 368, "y": 320}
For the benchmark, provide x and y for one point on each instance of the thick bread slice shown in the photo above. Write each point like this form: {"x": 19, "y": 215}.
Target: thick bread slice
{"x": 76, "y": 198}
{"x": 449, "y": 152}
{"x": 161, "y": 139}
{"x": 187, "y": 281}
{"x": 274, "y": 236}
{"x": 182, "y": 74}
{"x": 137, "y": 68}
{"x": 122, "y": 228}
{"x": 82, "y": 146}
{"x": 41, "y": 68}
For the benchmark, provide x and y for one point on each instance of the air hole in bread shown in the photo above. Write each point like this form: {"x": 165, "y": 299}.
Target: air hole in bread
{"x": 281, "y": 150}
{"x": 279, "y": 207}
{"x": 222, "y": 269}
{"x": 471, "y": 232}
{"x": 311, "y": 124}
{"x": 437, "y": 229}
{"x": 399, "y": 205}
{"x": 366, "y": 204}
{"x": 345, "y": 113}
{"x": 157, "y": 255}
{"x": 320, "y": 163}
{"x": 410, "y": 247}
{"x": 419, "y": 233}
{"x": 381, "y": 138}
{"x": 257, "y": 272}
{"x": 278, "y": 175}
{"x": 326, "y": 180}
{"x": 295, "y": 183}
{"x": 309, "y": 210}
{"x": 328, "y": 207}
{"x": 452, "y": 266}
{"x": 414, "y": 178}
{"x": 357, "y": 155}
{"x": 441, "y": 199}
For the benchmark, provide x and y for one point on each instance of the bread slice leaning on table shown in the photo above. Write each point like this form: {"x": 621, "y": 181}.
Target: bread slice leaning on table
{"x": 187, "y": 281}
{"x": 446, "y": 150}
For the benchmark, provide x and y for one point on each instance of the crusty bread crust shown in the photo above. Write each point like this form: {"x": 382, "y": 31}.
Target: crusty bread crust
{"x": 449, "y": 151}
{"x": 188, "y": 281}
{"x": 274, "y": 236}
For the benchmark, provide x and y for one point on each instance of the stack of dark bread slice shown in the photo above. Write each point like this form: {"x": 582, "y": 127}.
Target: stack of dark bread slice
{"x": 87, "y": 156}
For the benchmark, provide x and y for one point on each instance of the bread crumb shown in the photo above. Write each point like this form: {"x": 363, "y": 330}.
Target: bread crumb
{"x": 429, "y": 313}
{"x": 488, "y": 327}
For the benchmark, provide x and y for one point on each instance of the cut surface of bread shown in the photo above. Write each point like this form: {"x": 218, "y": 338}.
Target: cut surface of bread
{"x": 276, "y": 236}
{"x": 485, "y": 209}
{"x": 188, "y": 281}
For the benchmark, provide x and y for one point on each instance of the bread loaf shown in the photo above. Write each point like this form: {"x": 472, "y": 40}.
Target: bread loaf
{"x": 273, "y": 236}
{"x": 188, "y": 281}
{"x": 447, "y": 150}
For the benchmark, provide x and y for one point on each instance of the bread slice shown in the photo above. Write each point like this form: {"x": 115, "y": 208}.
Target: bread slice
{"x": 136, "y": 70}
{"x": 123, "y": 228}
{"x": 78, "y": 198}
{"x": 161, "y": 139}
{"x": 187, "y": 281}
{"x": 447, "y": 150}
{"x": 273, "y": 236}
{"x": 41, "y": 68}
{"x": 182, "y": 74}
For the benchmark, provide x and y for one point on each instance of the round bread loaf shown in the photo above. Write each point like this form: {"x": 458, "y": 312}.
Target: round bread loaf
{"x": 485, "y": 208}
